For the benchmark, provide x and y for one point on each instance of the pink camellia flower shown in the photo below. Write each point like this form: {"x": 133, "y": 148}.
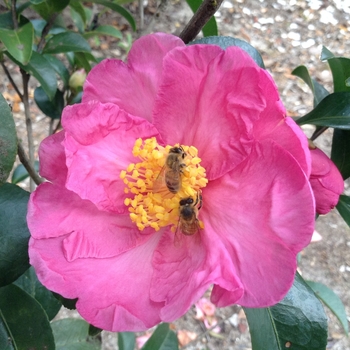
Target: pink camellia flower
{"x": 326, "y": 181}
{"x": 107, "y": 229}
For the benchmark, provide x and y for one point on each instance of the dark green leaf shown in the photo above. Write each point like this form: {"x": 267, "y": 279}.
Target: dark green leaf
{"x": 79, "y": 8}
{"x": 317, "y": 89}
{"x": 8, "y": 140}
{"x": 332, "y": 111}
{"x": 25, "y": 321}
{"x": 53, "y": 108}
{"x": 73, "y": 334}
{"x": 30, "y": 284}
{"x": 331, "y": 300}
{"x": 41, "y": 69}
{"x": 59, "y": 67}
{"x": 6, "y": 21}
{"x": 341, "y": 151}
{"x": 340, "y": 67}
{"x": 66, "y": 42}
{"x": 93, "y": 331}
{"x": 297, "y": 322}
{"x": 19, "y": 42}
{"x": 105, "y": 30}
{"x": 117, "y": 8}
{"x": 14, "y": 234}
{"x": 21, "y": 173}
{"x": 67, "y": 303}
{"x": 126, "y": 341}
{"x": 78, "y": 22}
{"x": 38, "y": 25}
{"x": 226, "y": 41}
{"x": 47, "y": 8}
{"x": 343, "y": 207}
{"x": 163, "y": 338}
{"x": 77, "y": 98}
{"x": 82, "y": 60}
{"x": 211, "y": 28}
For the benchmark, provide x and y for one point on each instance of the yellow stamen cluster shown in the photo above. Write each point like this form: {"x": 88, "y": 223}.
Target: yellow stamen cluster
{"x": 151, "y": 204}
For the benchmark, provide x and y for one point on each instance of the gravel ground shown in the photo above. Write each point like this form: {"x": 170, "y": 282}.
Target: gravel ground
{"x": 288, "y": 34}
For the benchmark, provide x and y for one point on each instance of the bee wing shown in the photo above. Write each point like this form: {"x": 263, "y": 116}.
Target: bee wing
{"x": 159, "y": 182}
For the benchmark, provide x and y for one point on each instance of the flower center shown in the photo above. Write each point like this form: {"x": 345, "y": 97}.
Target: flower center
{"x": 164, "y": 177}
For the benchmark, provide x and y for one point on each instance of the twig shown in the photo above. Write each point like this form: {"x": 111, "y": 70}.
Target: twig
{"x": 318, "y": 132}
{"x": 25, "y": 79}
{"x": 45, "y": 31}
{"x": 14, "y": 14}
{"x": 11, "y": 80}
{"x": 199, "y": 19}
{"x": 25, "y": 161}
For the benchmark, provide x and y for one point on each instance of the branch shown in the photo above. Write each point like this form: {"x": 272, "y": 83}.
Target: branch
{"x": 14, "y": 14}
{"x": 45, "y": 31}
{"x": 199, "y": 19}
{"x": 11, "y": 80}
{"x": 25, "y": 161}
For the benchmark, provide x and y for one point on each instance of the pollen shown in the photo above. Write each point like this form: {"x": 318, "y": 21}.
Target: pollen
{"x": 149, "y": 201}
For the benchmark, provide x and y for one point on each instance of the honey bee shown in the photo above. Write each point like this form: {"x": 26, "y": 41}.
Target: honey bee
{"x": 172, "y": 170}
{"x": 188, "y": 215}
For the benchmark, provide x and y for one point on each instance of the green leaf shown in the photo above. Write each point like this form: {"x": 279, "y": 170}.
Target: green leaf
{"x": 41, "y": 69}
{"x": 8, "y": 140}
{"x": 19, "y": 42}
{"x": 47, "y": 8}
{"x": 126, "y": 341}
{"x": 38, "y": 25}
{"x": 163, "y": 338}
{"x": 78, "y": 8}
{"x": 66, "y": 42}
{"x": 24, "y": 320}
{"x": 14, "y": 234}
{"x": 82, "y": 60}
{"x": 210, "y": 28}
{"x": 104, "y": 30}
{"x": 67, "y": 303}
{"x": 343, "y": 207}
{"x": 332, "y": 111}
{"x": 59, "y": 67}
{"x": 51, "y": 108}
{"x": 78, "y": 22}
{"x": 117, "y": 8}
{"x": 20, "y": 173}
{"x": 73, "y": 334}
{"x": 30, "y": 284}
{"x": 332, "y": 301}
{"x": 341, "y": 151}
{"x": 6, "y": 21}
{"x": 317, "y": 89}
{"x": 297, "y": 322}
{"x": 226, "y": 41}
{"x": 340, "y": 67}
{"x": 93, "y": 331}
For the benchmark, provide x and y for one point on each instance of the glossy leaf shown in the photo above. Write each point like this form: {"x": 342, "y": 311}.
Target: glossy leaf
{"x": 73, "y": 334}
{"x": 6, "y": 21}
{"x": 119, "y": 9}
{"x": 19, "y": 42}
{"x": 163, "y": 338}
{"x": 126, "y": 340}
{"x": 41, "y": 69}
{"x": 341, "y": 151}
{"x": 8, "y": 140}
{"x": 67, "y": 303}
{"x": 340, "y": 67}
{"x": 14, "y": 234}
{"x": 77, "y": 20}
{"x": 210, "y": 28}
{"x": 47, "y": 8}
{"x": 78, "y": 8}
{"x": 82, "y": 61}
{"x": 343, "y": 207}
{"x": 317, "y": 89}
{"x": 297, "y": 322}
{"x": 105, "y": 30}
{"x": 20, "y": 173}
{"x": 59, "y": 67}
{"x": 38, "y": 25}
{"x": 66, "y": 42}
{"x": 51, "y": 108}
{"x": 332, "y": 111}
{"x": 30, "y": 284}
{"x": 332, "y": 301}
{"x": 93, "y": 331}
{"x": 226, "y": 41}
{"x": 24, "y": 320}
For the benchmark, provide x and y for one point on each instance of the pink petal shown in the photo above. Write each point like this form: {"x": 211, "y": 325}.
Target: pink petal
{"x": 98, "y": 144}
{"x": 270, "y": 219}
{"x": 112, "y": 293}
{"x": 88, "y": 232}
{"x": 53, "y": 159}
{"x": 132, "y": 86}
{"x": 215, "y": 120}
{"x": 181, "y": 274}
{"x": 326, "y": 181}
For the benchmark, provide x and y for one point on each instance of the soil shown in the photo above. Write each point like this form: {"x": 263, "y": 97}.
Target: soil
{"x": 287, "y": 34}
